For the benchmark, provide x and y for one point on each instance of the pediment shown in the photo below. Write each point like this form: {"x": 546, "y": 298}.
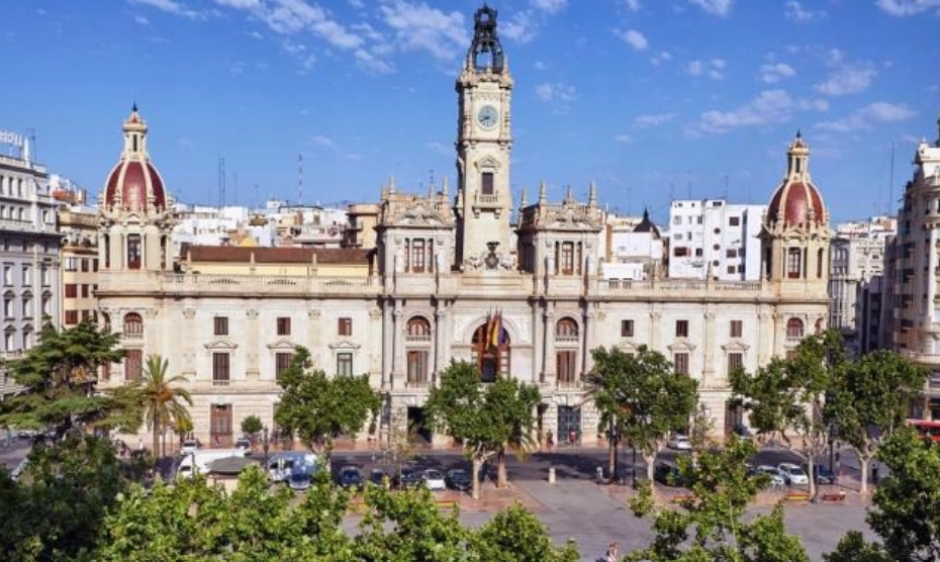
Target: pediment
{"x": 420, "y": 216}
{"x": 681, "y": 345}
{"x": 735, "y": 346}
{"x": 282, "y": 345}
{"x": 570, "y": 219}
{"x": 488, "y": 162}
{"x": 221, "y": 345}
{"x": 345, "y": 345}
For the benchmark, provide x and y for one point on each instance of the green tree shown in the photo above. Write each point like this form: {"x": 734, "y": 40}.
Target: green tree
{"x": 319, "y": 408}
{"x": 787, "y": 397}
{"x": 869, "y": 401}
{"x": 710, "y": 526}
{"x": 643, "y": 397}
{"x": 55, "y": 509}
{"x": 516, "y": 535}
{"x": 854, "y": 548}
{"x": 161, "y": 400}
{"x": 252, "y": 426}
{"x": 59, "y": 375}
{"x": 486, "y": 418}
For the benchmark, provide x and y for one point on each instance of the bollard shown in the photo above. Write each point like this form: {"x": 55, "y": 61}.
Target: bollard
{"x": 600, "y": 475}
{"x": 551, "y": 475}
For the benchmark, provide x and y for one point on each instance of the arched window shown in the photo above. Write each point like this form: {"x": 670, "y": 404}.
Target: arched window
{"x": 491, "y": 350}
{"x": 794, "y": 329}
{"x": 418, "y": 328}
{"x": 566, "y": 330}
{"x": 133, "y": 325}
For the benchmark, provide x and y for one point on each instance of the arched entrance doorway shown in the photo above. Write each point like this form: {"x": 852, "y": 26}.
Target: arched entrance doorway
{"x": 491, "y": 351}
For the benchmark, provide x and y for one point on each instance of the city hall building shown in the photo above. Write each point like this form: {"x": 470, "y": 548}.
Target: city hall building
{"x": 443, "y": 267}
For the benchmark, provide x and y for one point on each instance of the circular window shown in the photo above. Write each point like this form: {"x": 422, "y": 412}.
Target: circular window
{"x": 717, "y": 231}
{"x": 715, "y": 263}
{"x": 716, "y": 247}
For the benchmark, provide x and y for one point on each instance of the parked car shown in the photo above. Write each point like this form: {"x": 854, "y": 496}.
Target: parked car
{"x": 680, "y": 443}
{"x": 668, "y": 473}
{"x": 349, "y": 477}
{"x": 793, "y": 474}
{"x": 772, "y": 473}
{"x": 299, "y": 481}
{"x": 458, "y": 479}
{"x": 434, "y": 480}
{"x": 189, "y": 446}
{"x": 823, "y": 475}
{"x": 378, "y": 477}
{"x": 244, "y": 444}
{"x": 409, "y": 478}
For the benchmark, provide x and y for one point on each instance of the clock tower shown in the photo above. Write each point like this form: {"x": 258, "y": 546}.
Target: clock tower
{"x": 484, "y": 145}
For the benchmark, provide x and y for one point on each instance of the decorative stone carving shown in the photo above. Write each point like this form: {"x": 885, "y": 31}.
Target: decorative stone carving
{"x": 189, "y": 313}
{"x": 252, "y": 313}
{"x": 313, "y": 314}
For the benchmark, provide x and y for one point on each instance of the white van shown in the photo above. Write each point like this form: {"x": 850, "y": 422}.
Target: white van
{"x": 198, "y": 462}
{"x": 282, "y": 465}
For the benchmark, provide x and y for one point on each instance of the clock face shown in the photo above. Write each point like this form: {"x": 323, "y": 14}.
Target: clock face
{"x": 488, "y": 117}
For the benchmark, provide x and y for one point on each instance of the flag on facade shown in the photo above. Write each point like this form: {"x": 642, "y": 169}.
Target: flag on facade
{"x": 495, "y": 329}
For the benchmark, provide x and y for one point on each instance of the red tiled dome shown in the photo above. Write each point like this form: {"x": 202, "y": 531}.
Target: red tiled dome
{"x": 797, "y": 203}
{"x": 134, "y": 184}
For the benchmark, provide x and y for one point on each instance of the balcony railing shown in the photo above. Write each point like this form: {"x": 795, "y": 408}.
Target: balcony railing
{"x": 221, "y": 382}
{"x": 418, "y": 338}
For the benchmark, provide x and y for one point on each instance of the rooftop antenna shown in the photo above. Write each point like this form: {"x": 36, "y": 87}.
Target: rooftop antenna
{"x": 891, "y": 182}
{"x": 235, "y": 189}
{"x": 300, "y": 179}
{"x": 221, "y": 181}
{"x": 257, "y": 196}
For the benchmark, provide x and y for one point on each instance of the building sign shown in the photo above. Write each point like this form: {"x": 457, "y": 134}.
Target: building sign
{"x": 11, "y": 138}
{"x": 13, "y": 144}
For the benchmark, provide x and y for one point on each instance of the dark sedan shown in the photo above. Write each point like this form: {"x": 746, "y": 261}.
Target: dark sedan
{"x": 458, "y": 479}
{"x": 349, "y": 477}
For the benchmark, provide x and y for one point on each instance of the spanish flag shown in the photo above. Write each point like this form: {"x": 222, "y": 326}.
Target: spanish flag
{"x": 495, "y": 329}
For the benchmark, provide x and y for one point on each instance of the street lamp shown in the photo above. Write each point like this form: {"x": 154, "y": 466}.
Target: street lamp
{"x": 264, "y": 444}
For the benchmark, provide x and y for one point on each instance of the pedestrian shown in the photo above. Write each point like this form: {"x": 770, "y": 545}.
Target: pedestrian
{"x": 551, "y": 442}
{"x": 613, "y": 553}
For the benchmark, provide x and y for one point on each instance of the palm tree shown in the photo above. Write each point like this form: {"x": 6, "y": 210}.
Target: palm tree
{"x": 160, "y": 400}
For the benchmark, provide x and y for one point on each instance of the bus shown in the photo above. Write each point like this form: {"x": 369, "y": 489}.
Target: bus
{"x": 926, "y": 429}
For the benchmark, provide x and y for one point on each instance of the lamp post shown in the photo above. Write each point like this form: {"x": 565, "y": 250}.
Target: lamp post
{"x": 264, "y": 445}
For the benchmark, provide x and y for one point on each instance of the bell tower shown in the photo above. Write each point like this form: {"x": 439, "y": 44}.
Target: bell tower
{"x": 484, "y": 144}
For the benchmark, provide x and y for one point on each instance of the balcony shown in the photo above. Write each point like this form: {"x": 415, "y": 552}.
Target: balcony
{"x": 221, "y": 382}
{"x": 562, "y": 384}
{"x": 418, "y": 338}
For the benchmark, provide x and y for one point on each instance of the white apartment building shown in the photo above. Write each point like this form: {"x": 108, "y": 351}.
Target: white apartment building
{"x": 632, "y": 248}
{"x": 857, "y": 256}
{"x": 29, "y": 250}
{"x": 710, "y": 238}
{"x": 916, "y": 299}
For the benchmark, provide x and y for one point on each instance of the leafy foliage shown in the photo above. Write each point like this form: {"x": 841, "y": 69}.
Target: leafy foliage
{"x": 870, "y": 399}
{"x": 161, "y": 402}
{"x": 319, "y": 408}
{"x": 60, "y": 501}
{"x": 485, "y": 418}
{"x": 59, "y": 375}
{"x": 515, "y": 535}
{"x": 709, "y": 526}
{"x": 854, "y": 548}
{"x": 252, "y": 426}
{"x": 642, "y": 396}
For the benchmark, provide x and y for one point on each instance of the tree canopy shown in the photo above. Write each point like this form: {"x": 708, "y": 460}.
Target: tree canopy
{"x": 643, "y": 396}
{"x": 319, "y": 408}
{"x": 486, "y": 418}
{"x": 162, "y": 400}
{"x": 59, "y": 375}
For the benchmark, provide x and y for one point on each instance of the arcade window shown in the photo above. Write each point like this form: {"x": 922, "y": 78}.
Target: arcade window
{"x": 486, "y": 183}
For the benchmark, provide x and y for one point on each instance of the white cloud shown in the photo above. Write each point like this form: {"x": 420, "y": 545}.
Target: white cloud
{"x": 171, "y": 7}
{"x": 714, "y": 69}
{"x": 775, "y": 72}
{"x": 520, "y": 28}
{"x": 419, "y": 27}
{"x": 796, "y": 12}
{"x": 549, "y": 6}
{"x": 771, "y": 107}
{"x": 844, "y": 77}
{"x": 320, "y": 140}
{"x": 715, "y": 7}
{"x": 633, "y": 5}
{"x": 558, "y": 92}
{"x": 901, "y": 8}
{"x": 240, "y": 4}
{"x": 540, "y": 65}
{"x": 652, "y": 120}
{"x": 623, "y": 139}
{"x": 635, "y": 39}
{"x": 663, "y": 56}
{"x": 373, "y": 62}
{"x": 868, "y": 116}
{"x": 141, "y": 20}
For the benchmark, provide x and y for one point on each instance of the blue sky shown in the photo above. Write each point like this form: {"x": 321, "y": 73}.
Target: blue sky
{"x": 652, "y": 99}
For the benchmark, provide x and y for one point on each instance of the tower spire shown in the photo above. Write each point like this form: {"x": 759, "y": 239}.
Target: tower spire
{"x": 524, "y": 199}
{"x": 592, "y": 195}
{"x": 543, "y": 193}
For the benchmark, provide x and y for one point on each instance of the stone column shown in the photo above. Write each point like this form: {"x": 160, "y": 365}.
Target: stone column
{"x": 538, "y": 360}
{"x": 188, "y": 332}
{"x": 397, "y": 349}
{"x": 440, "y": 336}
{"x": 586, "y": 339}
{"x": 549, "y": 318}
{"x": 708, "y": 366}
{"x": 655, "y": 317}
{"x": 252, "y": 331}
{"x": 387, "y": 329}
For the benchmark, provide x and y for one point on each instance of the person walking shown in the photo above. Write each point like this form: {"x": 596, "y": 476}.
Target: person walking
{"x": 613, "y": 553}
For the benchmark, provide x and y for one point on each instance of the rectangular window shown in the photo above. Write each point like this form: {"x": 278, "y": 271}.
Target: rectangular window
{"x": 220, "y": 369}
{"x": 626, "y": 328}
{"x": 417, "y": 367}
{"x": 731, "y": 253}
{"x": 281, "y": 363}
{"x": 85, "y": 291}
{"x": 486, "y": 183}
{"x": 94, "y": 264}
{"x": 567, "y": 258}
{"x": 220, "y": 326}
{"x": 681, "y": 363}
{"x": 735, "y": 361}
{"x": 793, "y": 263}
{"x": 45, "y": 277}
{"x": 71, "y": 264}
{"x": 344, "y": 364}
{"x": 220, "y": 425}
{"x": 682, "y": 328}
{"x": 71, "y": 291}
{"x": 344, "y": 327}
{"x": 27, "y": 276}
{"x": 71, "y": 317}
{"x": 737, "y": 328}
{"x": 8, "y": 311}
{"x": 133, "y": 363}
{"x": 417, "y": 256}
{"x": 133, "y": 252}
{"x": 283, "y": 326}
{"x": 567, "y": 363}
{"x": 677, "y": 220}
{"x": 734, "y": 221}
{"x": 86, "y": 314}
{"x": 680, "y": 251}
{"x": 85, "y": 265}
